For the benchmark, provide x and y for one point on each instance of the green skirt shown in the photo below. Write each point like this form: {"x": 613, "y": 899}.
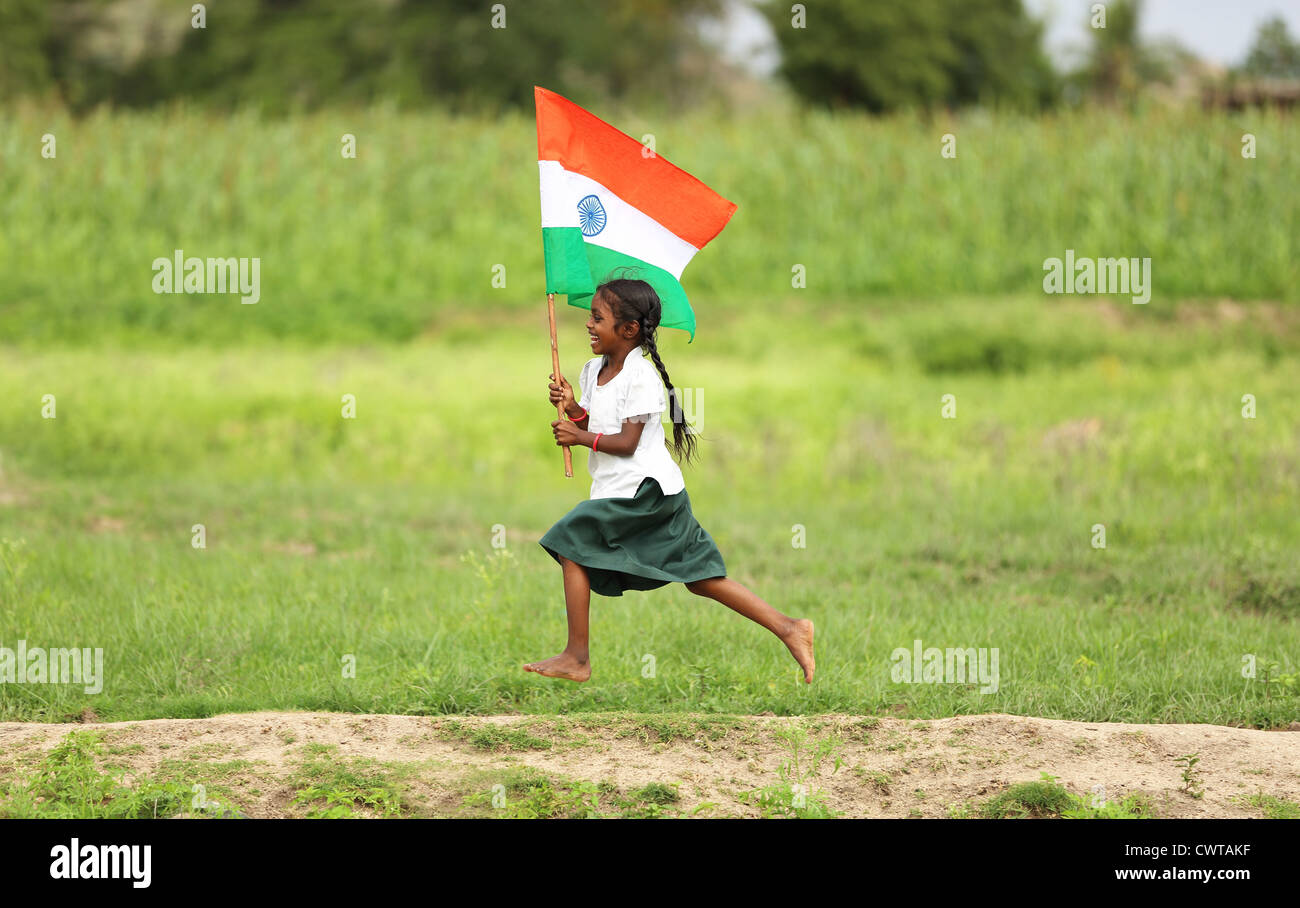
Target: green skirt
{"x": 638, "y": 543}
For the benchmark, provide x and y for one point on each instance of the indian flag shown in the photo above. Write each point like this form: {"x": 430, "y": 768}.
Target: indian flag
{"x": 610, "y": 210}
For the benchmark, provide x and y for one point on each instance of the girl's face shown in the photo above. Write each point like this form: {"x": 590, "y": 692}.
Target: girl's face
{"x": 600, "y": 326}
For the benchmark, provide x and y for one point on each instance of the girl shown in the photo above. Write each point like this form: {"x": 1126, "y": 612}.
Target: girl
{"x": 636, "y": 532}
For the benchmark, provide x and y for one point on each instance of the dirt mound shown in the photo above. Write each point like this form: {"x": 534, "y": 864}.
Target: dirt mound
{"x": 275, "y": 764}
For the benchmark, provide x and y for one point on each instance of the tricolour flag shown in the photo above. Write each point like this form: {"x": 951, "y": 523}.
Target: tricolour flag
{"x": 608, "y": 206}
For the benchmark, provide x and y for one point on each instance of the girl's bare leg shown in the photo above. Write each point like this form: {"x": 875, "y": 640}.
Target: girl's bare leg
{"x": 795, "y": 633}
{"x": 573, "y": 662}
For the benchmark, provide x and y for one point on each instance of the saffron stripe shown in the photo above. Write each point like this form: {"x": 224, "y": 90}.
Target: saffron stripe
{"x": 624, "y": 228}
{"x": 583, "y": 143}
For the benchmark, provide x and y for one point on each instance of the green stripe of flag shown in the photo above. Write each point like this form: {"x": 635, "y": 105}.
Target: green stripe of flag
{"x": 574, "y": 267}
{"x": 567, "y": 268}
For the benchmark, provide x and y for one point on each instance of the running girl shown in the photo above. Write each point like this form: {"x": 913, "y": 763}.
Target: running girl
{"x": 636, "y": 531}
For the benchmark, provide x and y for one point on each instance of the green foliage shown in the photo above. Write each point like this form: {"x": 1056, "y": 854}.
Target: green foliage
{"x": 14, "y": 559}
{"x": 1191, "y": 775}
{"x": 375, "y": 249}
{"x": 1275, "y": 54}
{"x": 1120, "y": 64}
{"x": 648, "y": 802}
{"x": 665, "y": 729}
{"x": 1137, "y": 806}
{"x": 25, "y": 68}
{"x": 978, "y": 351}
{"x": 495, "y": 738}
{"x": 279, "y": 56}
{"x": 69, "y": 784}
{"x": 333, "y": 789}
{"x": 328, "y": 537}
{"x": 1116, "y": 51}
{"x": 1273, "y": 679}
{"x": 1274, "y": 808}
{"x": 1275, "y": 594}
{"x": 1047, "y": 798}
{"x": 794, "y": 797}
{"x": 1029, "y": 800}
{"x": 919, "y": 54}
{"x": 531, "y": 794}
{"x": 340, "y": 803}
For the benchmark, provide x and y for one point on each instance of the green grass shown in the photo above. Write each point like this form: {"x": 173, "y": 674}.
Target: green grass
{"x": 329, "y": 540}
{"x": 1047, "y": 798}
{"x": 331, "y": 788}
{"x": 1274, "y": 808}
{"x": 796, "y": 795}
{"x": 527, "y": 793}
{"x": 668, "y": 729}
{"x": 390, "y": 245}
{"x": 649, "y": 802}
{"x": 70, "y": 784}
{"x": 495, "y": 739}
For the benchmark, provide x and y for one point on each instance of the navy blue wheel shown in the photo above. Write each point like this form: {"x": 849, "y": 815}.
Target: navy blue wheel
{"x": 591, "y": 215}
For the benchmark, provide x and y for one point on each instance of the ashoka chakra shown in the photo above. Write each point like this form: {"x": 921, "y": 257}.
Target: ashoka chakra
{"x": 591, "y": 215}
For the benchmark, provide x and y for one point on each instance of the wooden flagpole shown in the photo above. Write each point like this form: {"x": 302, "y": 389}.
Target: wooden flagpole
{"x": 555, "y": 370}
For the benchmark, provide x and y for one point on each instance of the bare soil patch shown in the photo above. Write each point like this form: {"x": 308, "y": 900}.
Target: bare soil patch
{"x": 889, "y": 767}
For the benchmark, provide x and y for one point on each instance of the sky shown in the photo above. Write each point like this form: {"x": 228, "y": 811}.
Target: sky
{"x": 1220, "y": 31}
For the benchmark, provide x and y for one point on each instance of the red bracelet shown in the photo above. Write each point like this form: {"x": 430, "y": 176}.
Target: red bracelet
{"x": 595, "y": 441}
{"x": 579, "y": 419}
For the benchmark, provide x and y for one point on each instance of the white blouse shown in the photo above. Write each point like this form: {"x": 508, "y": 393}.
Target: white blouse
{"x": 636, "y": 390}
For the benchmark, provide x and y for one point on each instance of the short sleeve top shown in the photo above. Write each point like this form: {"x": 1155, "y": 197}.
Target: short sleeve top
{"x": 635, "y": 391}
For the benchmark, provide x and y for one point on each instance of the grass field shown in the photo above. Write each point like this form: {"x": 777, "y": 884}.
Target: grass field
{"x": 373, "y": 536}
{"x": 354, "y": 251}
{"x": 369, "y": 588}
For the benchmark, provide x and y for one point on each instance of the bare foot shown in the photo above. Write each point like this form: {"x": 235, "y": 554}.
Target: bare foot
{"x": 800, "y": 641}
{"x": 561, "y": 666}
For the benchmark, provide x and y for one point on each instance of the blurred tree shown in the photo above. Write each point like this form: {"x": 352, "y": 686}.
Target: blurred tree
{"x": 280, "y": 54}
{"x": 1274, "y": 55}
{"x": 24, "y": 30}
{"x": 885, "y": 55}
{"x": 1111, "y": 70}
{"x": 1120, "y": 64}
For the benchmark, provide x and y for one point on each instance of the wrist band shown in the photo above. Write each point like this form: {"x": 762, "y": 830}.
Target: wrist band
{"x": 577, "y": 418}
{"x": 595, "y": 441}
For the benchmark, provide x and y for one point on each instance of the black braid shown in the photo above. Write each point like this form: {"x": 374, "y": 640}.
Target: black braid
{"x": 683, "y": 438}
{"x": 636, "y": 301}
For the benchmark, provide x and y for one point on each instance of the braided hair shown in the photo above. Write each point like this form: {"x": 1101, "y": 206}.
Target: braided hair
{"x": 636, "y": 301}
